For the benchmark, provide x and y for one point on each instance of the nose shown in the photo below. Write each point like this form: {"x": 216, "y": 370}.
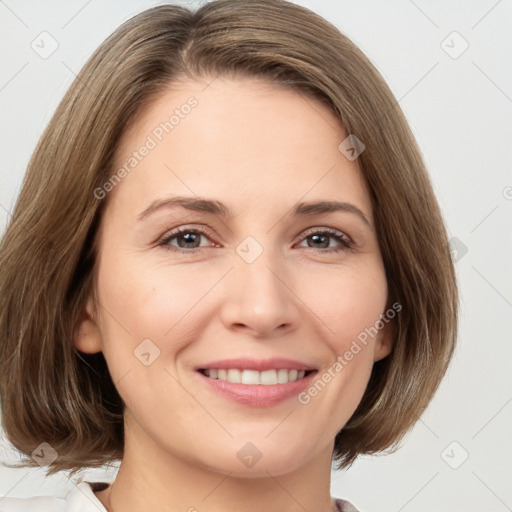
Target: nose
{"x": 259, "y": 298}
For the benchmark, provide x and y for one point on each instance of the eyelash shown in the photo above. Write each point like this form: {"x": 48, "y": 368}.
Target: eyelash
{"x": 345, "y": 241}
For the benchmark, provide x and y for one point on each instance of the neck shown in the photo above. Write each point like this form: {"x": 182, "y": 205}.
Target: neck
{"x": 150, "y": 478}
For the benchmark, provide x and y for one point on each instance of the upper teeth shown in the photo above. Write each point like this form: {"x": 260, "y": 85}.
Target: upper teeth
{"x": 268, "y": 377}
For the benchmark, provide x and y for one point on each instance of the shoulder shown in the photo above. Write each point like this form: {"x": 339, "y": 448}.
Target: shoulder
{"x": 343, "y": 505}
{"x": 80, "y": 499}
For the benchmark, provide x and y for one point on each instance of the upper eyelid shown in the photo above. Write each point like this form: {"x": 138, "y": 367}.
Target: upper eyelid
{"x": 328, "y": 230}
{"x": 204, "y": 230}
{"x": 173, "y": 233}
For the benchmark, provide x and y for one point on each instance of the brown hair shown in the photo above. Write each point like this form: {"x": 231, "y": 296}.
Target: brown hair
{"x": 51, "y": 392}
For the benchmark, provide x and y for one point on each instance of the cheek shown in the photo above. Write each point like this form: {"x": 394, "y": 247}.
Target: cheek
{"x": 348, "y": 301}
{"x": 349, "y": 305}
{"x": 146, "y": 325}
{"x": 154, "y": 309}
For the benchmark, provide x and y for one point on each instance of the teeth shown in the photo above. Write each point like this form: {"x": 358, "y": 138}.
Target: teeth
{"x": 252, "y": 377}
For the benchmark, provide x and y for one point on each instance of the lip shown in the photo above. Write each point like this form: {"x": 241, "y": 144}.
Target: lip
{"x": 277, "y": 363}
{"x": 258, "y": 395}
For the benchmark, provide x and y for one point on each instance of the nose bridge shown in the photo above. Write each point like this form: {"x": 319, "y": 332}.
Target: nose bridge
{"x": 261, "y": 276}
{"x": 258, "y": 296}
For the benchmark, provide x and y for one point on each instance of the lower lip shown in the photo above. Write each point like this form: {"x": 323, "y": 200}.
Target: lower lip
{"x": 258, "y": 395}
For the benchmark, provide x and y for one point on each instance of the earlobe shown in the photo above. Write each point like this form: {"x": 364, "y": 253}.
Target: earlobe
{"x": 87, "y": 335}
{"x": 384, "y": 342}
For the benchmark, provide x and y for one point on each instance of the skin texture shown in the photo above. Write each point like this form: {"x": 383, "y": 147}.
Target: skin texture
{"x": 259, "y": 149}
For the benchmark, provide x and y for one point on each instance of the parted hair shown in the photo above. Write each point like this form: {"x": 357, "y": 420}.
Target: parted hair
{"x": 49, "y": 390}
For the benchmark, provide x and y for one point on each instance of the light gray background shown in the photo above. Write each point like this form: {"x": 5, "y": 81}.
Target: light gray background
{"x": 460, "y": 110}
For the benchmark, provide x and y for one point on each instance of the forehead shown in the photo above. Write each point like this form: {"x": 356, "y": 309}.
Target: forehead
{"x": 244, "y": 142}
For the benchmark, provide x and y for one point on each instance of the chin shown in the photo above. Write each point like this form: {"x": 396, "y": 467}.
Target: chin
{"x": 250, "y": 462}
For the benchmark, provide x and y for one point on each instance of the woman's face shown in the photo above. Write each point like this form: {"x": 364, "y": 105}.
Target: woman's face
{"x": 253, "y": 281}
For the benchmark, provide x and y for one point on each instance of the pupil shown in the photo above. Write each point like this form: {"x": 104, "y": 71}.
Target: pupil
{"x": 189, "y": 238}
{"x": 317, "y": 237}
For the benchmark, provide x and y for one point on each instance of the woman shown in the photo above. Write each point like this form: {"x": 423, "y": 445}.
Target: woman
{"x": 226, "y": 268}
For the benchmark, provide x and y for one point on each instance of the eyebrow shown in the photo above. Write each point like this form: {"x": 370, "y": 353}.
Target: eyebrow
{"x": 217, "y": 208}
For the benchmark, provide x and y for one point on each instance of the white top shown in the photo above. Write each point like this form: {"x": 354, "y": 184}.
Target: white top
{"x": 83, "y": 499}
{"x": 80, "y": 499}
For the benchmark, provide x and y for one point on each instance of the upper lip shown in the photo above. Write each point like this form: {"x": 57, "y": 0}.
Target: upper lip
{"x": 276, "y": 363}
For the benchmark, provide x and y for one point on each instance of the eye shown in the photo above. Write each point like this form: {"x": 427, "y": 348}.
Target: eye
{"x": 319, "y": 238}
{"x": 187, "y": 239}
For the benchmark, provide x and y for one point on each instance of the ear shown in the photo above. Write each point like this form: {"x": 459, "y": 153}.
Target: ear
{"x": 384, "y": 340}
{"x": 87, "y": 336}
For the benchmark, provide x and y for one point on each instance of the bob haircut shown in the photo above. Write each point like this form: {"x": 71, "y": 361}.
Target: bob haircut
{"x": 50, "y": 391}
